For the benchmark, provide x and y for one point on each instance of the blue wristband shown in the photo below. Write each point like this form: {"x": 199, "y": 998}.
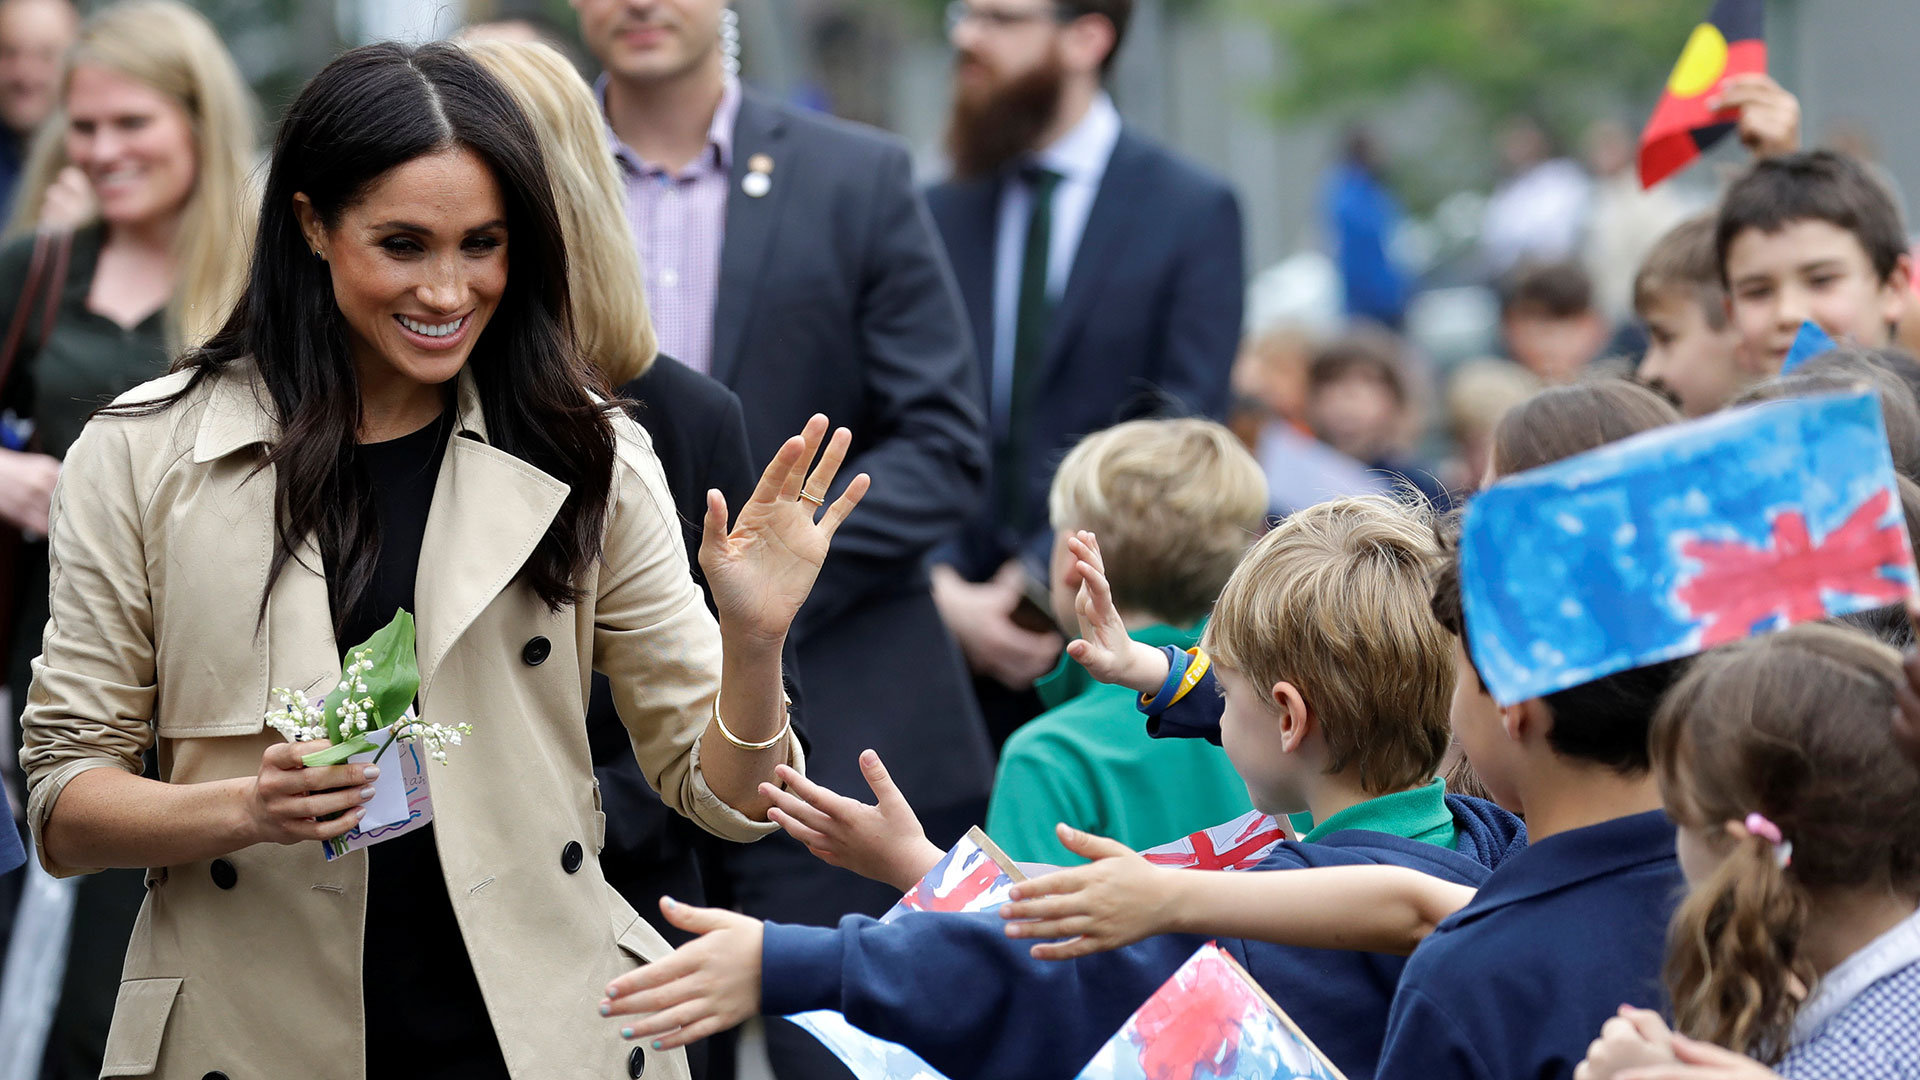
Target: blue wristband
{"x": 1177, "y": 661}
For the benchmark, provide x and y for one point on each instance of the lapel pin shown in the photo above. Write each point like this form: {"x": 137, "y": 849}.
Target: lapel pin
{"x": 759, "y": 178}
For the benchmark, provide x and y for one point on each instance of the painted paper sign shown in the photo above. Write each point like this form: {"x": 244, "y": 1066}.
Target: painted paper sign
{"x": 1239, "y": 844}
{"x": 1210, "y": 1021}
{"x": 1681, "y": 539}
{"x": 974, "y": 876}
{"x": 1810, "y": 342}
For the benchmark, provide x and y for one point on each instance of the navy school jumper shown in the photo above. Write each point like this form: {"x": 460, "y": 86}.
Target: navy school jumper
{"x": 970, "y": 1001}
{"x": 1517, "y": 983}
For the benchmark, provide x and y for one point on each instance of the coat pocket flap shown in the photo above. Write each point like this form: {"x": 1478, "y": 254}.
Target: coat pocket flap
{"x": 140, "y": 1014}
{"x": 642, "y": 942}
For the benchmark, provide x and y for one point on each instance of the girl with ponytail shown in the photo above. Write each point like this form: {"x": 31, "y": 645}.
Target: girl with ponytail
{"x": 1799, "y": 834}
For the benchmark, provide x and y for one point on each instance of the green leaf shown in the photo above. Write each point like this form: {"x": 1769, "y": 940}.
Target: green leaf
{"x": 339, "y": 753}
{"x": 393, "y": 681}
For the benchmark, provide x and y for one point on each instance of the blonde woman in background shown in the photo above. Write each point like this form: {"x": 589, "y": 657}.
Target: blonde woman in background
{"x": 696, "y": 424}
{"x": 151, "y": 142}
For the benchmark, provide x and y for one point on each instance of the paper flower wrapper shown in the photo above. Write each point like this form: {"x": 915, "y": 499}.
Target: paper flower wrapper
{"x": 369, "y": 716}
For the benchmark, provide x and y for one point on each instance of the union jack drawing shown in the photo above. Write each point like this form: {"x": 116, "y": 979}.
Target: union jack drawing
{"x": 1739, "y": 586}
{"x": 1239, "y": 844}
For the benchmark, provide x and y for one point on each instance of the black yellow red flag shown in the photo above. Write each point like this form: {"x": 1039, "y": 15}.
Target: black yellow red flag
{"x": 1731, "y": 42}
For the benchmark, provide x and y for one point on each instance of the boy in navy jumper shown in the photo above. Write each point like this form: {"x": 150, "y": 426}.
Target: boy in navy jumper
{"x": 1332, "y": 597}
{"x": 1559, "y": 937}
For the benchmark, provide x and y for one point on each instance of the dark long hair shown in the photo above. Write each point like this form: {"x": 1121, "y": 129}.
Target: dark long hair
{"x": 370, "y": 110}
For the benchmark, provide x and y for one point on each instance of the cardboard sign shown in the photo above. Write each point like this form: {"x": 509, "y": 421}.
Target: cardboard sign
{"x": 1210, "y": 1021}
{"x": 1680, "y": 539}
{"x": 974, "y": 876}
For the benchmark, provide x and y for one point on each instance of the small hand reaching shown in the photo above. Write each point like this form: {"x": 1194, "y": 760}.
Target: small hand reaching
{"x": 1116, "y": 900}
{"x": 1104, "y": 647}
{"x": 883, "y": 842}
{"x": 1634, "y": 1037}
{"x": 706, "y": 986}
{"x": 1696, "y": 1060}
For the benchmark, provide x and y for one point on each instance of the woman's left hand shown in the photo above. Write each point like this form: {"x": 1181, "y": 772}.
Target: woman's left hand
{"x": 762, "y": 571}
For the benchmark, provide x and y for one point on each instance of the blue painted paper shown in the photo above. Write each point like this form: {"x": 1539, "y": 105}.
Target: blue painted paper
{"x": 1671, "y": 542}
{"x": 1810, "y": 342}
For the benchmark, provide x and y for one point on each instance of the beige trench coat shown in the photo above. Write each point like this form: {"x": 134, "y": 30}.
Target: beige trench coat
{"x": 248, "y": 966}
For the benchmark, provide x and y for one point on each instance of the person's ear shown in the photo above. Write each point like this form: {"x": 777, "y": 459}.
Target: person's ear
{"x": 1897, "y": 292}
{"x": 1529, "y": 721}
{"x": 311, "y": 226}
{"x": 1296, "y": 720}
{"x": 1087, "y": 42}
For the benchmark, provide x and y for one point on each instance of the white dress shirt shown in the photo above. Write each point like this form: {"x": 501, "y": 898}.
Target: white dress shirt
{"x": 1080, "y": 157}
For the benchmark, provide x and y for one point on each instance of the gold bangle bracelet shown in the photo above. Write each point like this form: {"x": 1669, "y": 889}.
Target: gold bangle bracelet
{"x": 736, "y": 740}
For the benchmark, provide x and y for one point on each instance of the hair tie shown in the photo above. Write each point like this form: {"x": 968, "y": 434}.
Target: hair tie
{"x": 1759, "y": 826}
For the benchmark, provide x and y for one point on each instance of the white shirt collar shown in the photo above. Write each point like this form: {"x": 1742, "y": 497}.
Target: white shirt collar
{"x": 1886, "y": 954}
{"x": 1082, "y": 153}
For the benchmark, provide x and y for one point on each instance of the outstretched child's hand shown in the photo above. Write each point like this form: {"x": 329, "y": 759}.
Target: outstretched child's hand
{"x": 1104, "y": 647}
{"x": 882, "y": 842}
{"x": 1702, "y": 1061}
{"x": 1633, "y": 1038}
{"x": 1769, "y": 113}
{"x": 1116, "y": 900}
{"x": 708, "y": 985}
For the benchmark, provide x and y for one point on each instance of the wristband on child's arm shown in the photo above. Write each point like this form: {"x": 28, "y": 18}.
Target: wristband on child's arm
{"x": 1185, "y": 669}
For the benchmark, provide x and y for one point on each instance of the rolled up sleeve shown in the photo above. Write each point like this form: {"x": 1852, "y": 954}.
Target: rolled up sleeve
{"x": 91, "y": 703}
{"x": 659, "y": 647}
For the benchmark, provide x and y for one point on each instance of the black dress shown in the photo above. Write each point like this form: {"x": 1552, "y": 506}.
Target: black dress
{"x": 413, "y": 949}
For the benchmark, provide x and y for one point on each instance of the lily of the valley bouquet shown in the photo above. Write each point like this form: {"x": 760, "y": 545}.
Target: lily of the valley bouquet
{"x": 369, "y": 711}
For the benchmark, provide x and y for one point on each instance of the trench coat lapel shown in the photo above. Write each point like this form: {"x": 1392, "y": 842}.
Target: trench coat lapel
{"x": 490, "y": 510}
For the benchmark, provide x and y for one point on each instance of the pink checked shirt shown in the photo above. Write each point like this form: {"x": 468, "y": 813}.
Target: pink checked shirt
{"x": 679, "y": 222}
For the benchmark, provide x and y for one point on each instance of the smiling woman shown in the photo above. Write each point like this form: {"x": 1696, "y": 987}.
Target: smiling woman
{"x": 395, "y": 416}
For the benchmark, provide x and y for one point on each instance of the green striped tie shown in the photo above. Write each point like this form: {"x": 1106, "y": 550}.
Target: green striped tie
{"x": 1035, "y": 312}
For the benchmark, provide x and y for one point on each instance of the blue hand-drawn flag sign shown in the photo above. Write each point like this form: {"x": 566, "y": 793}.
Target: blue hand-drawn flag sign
{"x": 1680, "y": 539}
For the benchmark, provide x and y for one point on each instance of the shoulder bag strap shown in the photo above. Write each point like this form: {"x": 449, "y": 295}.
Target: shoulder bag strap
{"x": 46, "y": 273}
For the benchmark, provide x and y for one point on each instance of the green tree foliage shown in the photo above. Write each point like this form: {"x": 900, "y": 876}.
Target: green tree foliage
{"x": 1503, "y": 55}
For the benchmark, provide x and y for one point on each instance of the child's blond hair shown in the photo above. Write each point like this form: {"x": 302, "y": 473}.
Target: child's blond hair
{"x": 1335, "y": 601}
{"x": 1175, "y": 504}
{"x": 1683, "y": 263}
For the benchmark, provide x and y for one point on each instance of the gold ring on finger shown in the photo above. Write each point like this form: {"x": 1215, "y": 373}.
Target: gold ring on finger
{"x": 812, "y": 498}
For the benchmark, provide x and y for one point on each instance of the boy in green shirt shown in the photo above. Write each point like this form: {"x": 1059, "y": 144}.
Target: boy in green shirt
{"x": 1176, "y": 504}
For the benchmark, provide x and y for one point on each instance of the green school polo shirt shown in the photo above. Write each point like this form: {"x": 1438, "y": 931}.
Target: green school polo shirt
{"x": 1090, "y": 763}
{"x": 1418, "y": 814}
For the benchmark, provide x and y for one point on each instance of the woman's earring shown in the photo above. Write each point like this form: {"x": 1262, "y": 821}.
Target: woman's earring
{"x": 730, "y": 40}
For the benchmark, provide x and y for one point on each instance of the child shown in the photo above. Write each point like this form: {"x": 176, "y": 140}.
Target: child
{"x": 1306, "y": 632}
{"x": 1516, "y": 982}
{"x": 1800, "y": 837}
{"x": 1357, "y": 404}
{"x": 1693, "y": 353}
{"x": 1177, "y": 502}
{"x": 1811, "y": 236}
{"x": 1551, "y": 325}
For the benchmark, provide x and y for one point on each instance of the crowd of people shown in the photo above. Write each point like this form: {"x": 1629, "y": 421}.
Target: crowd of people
{"x": 730, "y": 476}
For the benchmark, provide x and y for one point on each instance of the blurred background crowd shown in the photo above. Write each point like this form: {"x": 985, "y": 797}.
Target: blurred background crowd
{"x": 1425, "y": 212}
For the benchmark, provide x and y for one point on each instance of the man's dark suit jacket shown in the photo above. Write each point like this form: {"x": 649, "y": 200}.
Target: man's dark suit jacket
{"x": 1148, "y": 325}
{"x": 835, "y": 298}
{"x": 700, "y": 436}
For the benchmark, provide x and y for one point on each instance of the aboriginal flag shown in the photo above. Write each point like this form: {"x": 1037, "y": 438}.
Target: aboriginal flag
{"x": 1729, "y": 43}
